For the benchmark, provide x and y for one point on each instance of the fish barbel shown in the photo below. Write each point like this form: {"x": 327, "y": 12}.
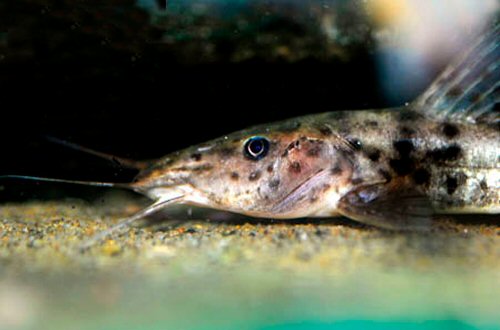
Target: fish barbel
{"x": 391, "y": 168}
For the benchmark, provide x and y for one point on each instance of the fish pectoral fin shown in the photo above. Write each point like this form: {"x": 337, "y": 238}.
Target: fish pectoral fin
{"x": 379, "y": 205}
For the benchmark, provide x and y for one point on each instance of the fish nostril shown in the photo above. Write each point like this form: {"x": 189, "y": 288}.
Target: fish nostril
{"x": 196, "y": 156}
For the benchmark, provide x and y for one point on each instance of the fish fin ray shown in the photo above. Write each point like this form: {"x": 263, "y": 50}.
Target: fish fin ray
{"x": 121, "y": 161}
{"x": 79, "y": 182}
{"x": 468, "y": 90}
{"x": 123, "y": 225}
{"x": 379, "y": 206}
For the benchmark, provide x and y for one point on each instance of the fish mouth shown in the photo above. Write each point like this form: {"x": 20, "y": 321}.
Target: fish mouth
{"x": 285, "y": 205}
{"x": 162, "y": 193}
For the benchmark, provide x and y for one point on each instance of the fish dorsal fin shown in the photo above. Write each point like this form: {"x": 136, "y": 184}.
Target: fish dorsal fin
{"x": 468, "y": 90}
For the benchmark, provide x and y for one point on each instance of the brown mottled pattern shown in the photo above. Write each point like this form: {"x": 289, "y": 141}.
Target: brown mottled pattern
{"x": 455, "y": 165}
{"x": 432, "y": 154}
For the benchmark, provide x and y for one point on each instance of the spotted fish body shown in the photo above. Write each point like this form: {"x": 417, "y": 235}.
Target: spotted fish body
{"x": 315, "y": 161}
{"x": 391, "y": 168}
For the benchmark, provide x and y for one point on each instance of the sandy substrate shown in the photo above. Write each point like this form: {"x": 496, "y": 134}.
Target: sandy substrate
{"x": 244, "y": 273}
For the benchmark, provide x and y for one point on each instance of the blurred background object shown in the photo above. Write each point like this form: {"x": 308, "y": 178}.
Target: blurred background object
{"x": 416, "y": 38}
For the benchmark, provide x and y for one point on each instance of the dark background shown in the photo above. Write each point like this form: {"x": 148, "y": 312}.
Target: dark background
{"x": 118, "y": 79}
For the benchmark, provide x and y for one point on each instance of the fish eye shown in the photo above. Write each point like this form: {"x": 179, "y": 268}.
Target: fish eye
{"x": 256, "y": 147}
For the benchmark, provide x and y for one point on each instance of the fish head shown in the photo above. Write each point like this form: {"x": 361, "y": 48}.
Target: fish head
{"x": 266, "y": 171}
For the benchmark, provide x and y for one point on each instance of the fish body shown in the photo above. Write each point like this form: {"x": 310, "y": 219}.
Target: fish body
{"x": 393, "y": 168}
{"x": 315, "y": 161}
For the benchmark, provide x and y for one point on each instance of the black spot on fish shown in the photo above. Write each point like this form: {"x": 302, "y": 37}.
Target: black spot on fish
{"x": 295, "y": 167}
{"x": 196, "y": 156}
{"x": 235, "y": 176}
{"x": 325, "y": 130}
{"x": 403, "y": 165}
{"x": 451, "y": 185}
{"x": 387, "y": 176}
{"x": 255, "y": 175}
{"x": 270, "y": 168}
{"x": 274, "y": 184}
{"x": 453, "y": 182}
{"x": 449, "y": 130}
{"x": 336, "y": 170}
{"x": 374, "y": 155}
{"x": 483, "y": 185}
{"x": 408, "y": 115}
{"x": 404, "y": 147}
{"x": 421, "y": 176}
{"x": 406, "y": 132}
{"x": 449, "y": 153}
